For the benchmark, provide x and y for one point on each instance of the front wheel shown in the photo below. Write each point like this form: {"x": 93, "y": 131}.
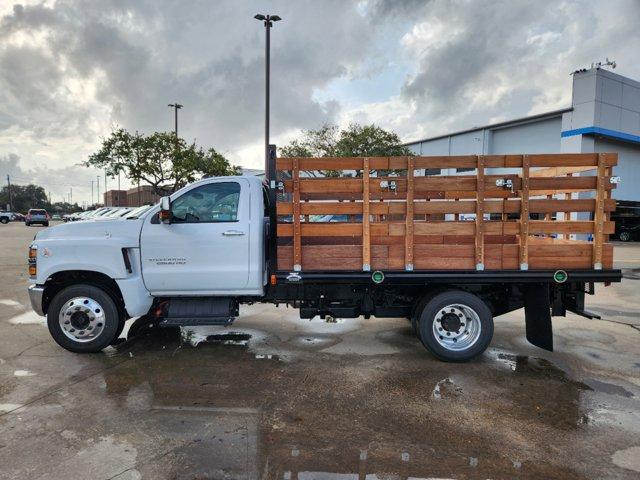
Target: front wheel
{"x": 46, "y": 224}
{"x": 4, "y": 220}
{"x": 456, "y": 326}
{"x": 625, "y": 236}
{"x": 83, "y": 319}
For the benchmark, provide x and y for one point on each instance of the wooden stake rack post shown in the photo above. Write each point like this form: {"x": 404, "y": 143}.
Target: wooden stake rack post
{"x": 385, "y": 213}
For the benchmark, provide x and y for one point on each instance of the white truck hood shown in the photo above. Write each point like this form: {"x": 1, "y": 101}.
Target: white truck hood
{"x": 126, "y": 233}
{"x": 89, "y": 246}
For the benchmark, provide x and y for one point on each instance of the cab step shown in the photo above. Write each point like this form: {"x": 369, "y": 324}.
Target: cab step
{"x": 196, "y": 321}
{"x": 195, "y": 311}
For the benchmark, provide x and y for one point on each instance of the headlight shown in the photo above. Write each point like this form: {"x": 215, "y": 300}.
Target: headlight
{"x": 33, "y": 259}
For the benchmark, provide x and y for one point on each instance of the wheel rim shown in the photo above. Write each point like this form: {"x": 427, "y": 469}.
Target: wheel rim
{"x": 456, "y": 327}
{"x": 624, "y": 236}
{"x": 82, "y": 319}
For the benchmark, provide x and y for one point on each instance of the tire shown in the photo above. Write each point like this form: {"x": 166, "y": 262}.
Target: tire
{"x": 4, "y": 220}
{"x": 77, "y": 312}
{"x": 464, "y": 324}
{"x": 625, "y": 236}
{"x": 27, "y": 224}
{"x": 46, "y": 224}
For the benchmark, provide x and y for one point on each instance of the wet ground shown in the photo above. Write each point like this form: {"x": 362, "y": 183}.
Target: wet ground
{"x": 276, "y": 397}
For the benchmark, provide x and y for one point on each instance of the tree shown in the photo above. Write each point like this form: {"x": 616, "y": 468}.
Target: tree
{"x": 24, "y": 197}
{"x": 354, "y": 141}
{"x": 160, "y": 159}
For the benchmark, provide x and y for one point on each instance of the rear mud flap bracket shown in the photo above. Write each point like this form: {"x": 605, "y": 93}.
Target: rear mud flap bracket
{"x": 537, "y": 314}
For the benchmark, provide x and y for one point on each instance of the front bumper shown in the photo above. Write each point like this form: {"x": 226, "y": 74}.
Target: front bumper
{"x": 36, "y": 293}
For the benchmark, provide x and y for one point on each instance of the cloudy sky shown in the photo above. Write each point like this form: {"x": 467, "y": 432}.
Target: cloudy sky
{"x": 72, "y": 70}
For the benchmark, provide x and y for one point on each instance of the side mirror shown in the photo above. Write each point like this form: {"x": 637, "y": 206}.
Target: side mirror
{"x": 165, "y": 210}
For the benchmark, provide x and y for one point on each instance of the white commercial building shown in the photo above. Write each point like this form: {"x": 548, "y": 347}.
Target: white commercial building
{"x": 604, "y": 116}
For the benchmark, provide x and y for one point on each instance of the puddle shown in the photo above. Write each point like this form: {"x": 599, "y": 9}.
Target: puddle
{"x": 196, "y": 335}
{"x": 538, "y": 367}
{"x": 628, "y": 458}
{"x": 28, "y": 318}
{"x": 609, "y": 388}
{"x": 314, "y": 342}
{"x": 446, "y": 388}
{"x": 9, "y": 407}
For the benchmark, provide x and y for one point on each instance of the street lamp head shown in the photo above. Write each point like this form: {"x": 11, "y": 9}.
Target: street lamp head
{"x": 275, "y": 18}
{"x": 260, "y": 17}
{"x": 174, "y": 105}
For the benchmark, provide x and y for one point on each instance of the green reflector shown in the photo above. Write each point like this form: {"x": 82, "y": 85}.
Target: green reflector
{"x": 377, "y": 276}
{"x": 560, "y": 276}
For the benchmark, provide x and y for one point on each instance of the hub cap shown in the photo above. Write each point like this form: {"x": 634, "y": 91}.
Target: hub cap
{"x": 456, "y": 327}
{"x": 82, "y": 319}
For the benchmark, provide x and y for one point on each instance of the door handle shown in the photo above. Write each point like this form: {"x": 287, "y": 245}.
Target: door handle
{"x": 233, "y": 233}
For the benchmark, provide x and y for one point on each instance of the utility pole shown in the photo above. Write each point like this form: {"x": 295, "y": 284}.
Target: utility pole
{"x": 98, "y": 191}
{"x": 268, "y": 23}
{"x": 176, "y": 106}
{"x": 105, "y": 181}
{"x": 92, "y": 191}
{"x": 10, "y": 195}
{"x": 70, "y": 195}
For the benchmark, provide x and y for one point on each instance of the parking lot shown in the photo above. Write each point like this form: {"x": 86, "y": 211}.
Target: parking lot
{"x": 276, "y": 397}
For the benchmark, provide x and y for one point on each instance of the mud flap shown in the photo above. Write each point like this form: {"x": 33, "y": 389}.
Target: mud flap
{"x": 537, "y": 314}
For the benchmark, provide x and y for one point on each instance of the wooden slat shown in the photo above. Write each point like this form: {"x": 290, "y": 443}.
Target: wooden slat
{"x": 546, "y": 185}
{"x": 558, "y": 171}
{"x": 537, "y": 227}
{"x": 524, "y": 215}
{"x": 466, "y": 161}
{"x": 449, "y": 206}
{"x": 408, "y": 249}
{"x": 366, "y": 241}
{"x": 297, "y": 251}
{"x": 598, "y": 234}
{"x": 479, "y": 243}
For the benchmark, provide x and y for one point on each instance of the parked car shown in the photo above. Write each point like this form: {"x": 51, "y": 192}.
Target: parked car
{"x": 37, "y": 215}
{"x": 55, "y": 216}
{"x": 6, "y": 217}
{"x": 627, "y": 218}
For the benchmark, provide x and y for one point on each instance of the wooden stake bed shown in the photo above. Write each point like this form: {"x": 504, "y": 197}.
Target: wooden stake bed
{"x": 385, "y": 213}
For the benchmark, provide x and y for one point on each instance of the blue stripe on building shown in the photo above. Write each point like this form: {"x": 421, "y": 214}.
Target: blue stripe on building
{"x": 605, "y": 132}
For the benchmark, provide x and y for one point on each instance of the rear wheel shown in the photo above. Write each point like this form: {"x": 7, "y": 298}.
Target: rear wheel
{"x": 46, "y": 224}
{"x": 455, "y": 326}
{"x": 27, "y": 224}
{"x": 4, "y": 220}
{"x": 83, "y": 319}
{"x": 625, "y": 236}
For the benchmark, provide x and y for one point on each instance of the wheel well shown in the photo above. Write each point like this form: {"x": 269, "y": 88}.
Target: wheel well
{"x": 500, "y": 299}
{"x": 60, "y": 280}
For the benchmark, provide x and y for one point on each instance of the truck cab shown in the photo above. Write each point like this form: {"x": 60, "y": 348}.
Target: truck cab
{"x": 212, "y": 245}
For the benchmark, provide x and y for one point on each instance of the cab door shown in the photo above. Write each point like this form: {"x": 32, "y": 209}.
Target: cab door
{"x": 205, "y": 248}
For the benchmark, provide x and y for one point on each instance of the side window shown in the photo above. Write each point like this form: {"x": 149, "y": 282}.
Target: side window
{"x": 213, "y": 202}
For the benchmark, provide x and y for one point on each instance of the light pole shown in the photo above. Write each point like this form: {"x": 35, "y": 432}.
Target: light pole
{"x": 268, "y": 23}
{"x": 176, "y": 106}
